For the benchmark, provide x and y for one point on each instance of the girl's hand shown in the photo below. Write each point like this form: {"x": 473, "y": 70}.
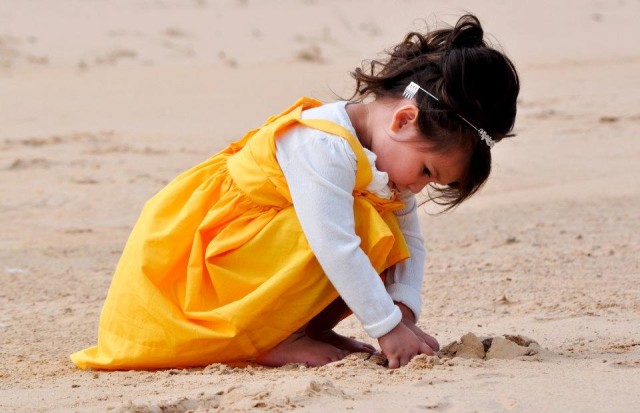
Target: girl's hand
{"x": 401, "y": 344}
{"x": 426, "y": 338}
{"x": 410, "y": 321}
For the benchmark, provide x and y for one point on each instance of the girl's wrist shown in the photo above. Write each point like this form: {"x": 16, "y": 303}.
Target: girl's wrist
{"x": 407, "y": 314}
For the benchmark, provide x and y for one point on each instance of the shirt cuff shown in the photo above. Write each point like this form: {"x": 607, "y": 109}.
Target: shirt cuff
{"x": 407, "y": 295}
{"x": 381, "y": 328}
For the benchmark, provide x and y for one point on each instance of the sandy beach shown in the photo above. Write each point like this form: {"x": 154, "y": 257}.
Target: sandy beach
{"x": 103, "y": 102}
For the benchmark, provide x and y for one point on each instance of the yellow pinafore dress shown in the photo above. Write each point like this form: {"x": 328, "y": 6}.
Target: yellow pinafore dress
{"x": 218, "y": 269}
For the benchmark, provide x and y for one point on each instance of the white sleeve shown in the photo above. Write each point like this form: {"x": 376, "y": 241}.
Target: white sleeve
{"x": 320, "y": 172}
{"x": 404, "y": 280}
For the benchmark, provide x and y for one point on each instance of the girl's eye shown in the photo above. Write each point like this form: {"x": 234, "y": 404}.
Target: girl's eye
{"x": 426, "y": 171}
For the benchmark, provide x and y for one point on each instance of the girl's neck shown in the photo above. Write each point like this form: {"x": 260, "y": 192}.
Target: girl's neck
{"x": 360, "y": 116}
{"x": 367, "y": 118}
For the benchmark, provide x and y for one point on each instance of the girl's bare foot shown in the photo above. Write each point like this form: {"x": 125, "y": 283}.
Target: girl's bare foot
{"x": 300, "y": 348}
{"x": 337, "y": 340}
{"x": 321, "y": 328}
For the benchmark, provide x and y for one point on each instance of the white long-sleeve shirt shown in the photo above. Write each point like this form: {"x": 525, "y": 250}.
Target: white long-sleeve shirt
{"x": 320, "y": 170}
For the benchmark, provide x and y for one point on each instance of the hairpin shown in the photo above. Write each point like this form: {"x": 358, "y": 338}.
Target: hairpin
{"x": 410, "y": 93}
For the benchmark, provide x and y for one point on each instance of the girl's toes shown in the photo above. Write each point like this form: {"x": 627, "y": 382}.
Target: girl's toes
{"x": 368, "y": 348}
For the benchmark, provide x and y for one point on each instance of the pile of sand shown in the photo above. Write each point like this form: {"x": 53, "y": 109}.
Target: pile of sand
{"x": 508, "y": 346}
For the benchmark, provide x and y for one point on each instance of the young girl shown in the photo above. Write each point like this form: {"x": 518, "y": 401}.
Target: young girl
{"x": 258, "y": 253}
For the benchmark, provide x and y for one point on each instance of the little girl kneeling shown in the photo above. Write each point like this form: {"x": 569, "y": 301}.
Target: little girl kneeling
{"x": 259, "y": 252}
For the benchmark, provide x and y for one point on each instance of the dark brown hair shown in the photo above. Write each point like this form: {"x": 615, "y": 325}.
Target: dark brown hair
{"x": 470, "y": 79}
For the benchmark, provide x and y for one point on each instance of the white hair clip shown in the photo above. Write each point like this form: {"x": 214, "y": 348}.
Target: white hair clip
{"x": 410, "y": 93}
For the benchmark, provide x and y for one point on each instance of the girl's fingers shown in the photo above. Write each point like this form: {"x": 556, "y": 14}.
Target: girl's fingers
{"x": 408, "y": 359}
{"x": 425, "y": 349}
{"x": 368, "y": 348}
{"x": 431, "y": 342}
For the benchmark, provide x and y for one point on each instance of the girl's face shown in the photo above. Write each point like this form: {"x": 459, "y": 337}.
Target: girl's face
{"x": 413, "y": 167}
{"x": 405, "y": 155}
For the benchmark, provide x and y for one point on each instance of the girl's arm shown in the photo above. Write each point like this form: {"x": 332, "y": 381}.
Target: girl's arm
{"x": 404, "y": 280}
{"x": 320, "y": 172}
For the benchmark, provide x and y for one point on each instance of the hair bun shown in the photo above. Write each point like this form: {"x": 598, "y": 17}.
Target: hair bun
{"x": 467, "y": 33}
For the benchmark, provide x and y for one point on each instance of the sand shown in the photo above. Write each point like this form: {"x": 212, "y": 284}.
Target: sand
{"x": 102, "y": 103}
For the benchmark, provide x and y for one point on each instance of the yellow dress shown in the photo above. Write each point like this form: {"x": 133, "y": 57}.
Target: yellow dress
{"x": 217, "y": 267}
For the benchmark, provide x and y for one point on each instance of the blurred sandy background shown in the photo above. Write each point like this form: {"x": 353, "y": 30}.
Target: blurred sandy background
{"x": 102, "y": 102}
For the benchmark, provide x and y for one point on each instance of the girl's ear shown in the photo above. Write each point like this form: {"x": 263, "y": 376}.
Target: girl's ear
{"x": 404, "y": 119}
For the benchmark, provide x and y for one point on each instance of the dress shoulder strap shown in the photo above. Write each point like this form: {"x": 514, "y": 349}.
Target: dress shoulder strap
{"x": 364, "y": 175}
